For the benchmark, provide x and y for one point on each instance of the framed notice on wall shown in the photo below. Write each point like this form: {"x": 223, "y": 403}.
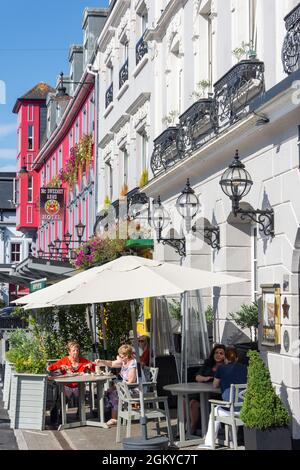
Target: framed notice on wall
{"x": 271, "y": 315}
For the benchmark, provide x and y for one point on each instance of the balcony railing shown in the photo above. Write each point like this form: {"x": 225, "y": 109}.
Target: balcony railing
{"x": 207, "y": 117}
{"x": 123, "y": 74}
{"x": 236, "y": 88}
{"x": 291, "y": 45}
{"x": 109, "y": 95}
{"x": 197, "y": 124}
{"x": 141, "y": 49}
{"x": 165, "y": 153}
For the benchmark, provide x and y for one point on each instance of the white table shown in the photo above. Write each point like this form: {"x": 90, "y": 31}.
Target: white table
{"x": 182, "y": 391}
{"x": 82, "y": 380}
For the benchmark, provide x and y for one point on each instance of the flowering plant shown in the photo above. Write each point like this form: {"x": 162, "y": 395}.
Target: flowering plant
{"x": 56, "y": 182}
{"x": 98, "y": 251}
{"x": 80, "y": 155}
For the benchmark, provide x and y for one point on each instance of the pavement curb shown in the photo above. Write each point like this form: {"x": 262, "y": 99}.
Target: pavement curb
{"x": 21, "y": 441}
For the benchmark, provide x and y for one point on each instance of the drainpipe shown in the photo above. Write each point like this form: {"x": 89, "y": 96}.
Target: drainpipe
{"x": 96, "y": 75}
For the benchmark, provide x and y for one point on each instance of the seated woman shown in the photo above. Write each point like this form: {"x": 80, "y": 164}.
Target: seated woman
{"x": 128, "y": 373}
{"x": 144, "y": 350}
{"x": 71, "y": 363}
{"x": 206, "y": 374}
{"x": 232, "y": 372}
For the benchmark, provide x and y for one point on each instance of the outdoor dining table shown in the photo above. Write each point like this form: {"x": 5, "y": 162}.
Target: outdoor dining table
{"x": 82, "y": 380}
{"x": 182, "y": 391}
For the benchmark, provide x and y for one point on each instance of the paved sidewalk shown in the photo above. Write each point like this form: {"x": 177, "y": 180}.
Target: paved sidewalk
{"x": 7, "y": 437}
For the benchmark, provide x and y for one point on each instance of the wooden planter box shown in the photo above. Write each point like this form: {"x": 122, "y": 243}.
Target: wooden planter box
{"x": 28, "y": 401}
{"x": 269, "y": 439}
{"x": 7, "y": 384}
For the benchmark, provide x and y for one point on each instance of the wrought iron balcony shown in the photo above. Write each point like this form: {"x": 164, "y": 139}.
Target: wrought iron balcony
{"x": 123, "y": 74}
{"x": 141, "y": 49}
{"x": 291, "y": 45}
{"x": 109, "y": 95}
{"x": 165, "y": 153}
{"x": 197, "y": 125}
{"x": 236, "y": 89}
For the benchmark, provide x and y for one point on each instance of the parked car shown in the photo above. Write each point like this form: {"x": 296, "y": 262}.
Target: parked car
{"x": 6, "y": 311}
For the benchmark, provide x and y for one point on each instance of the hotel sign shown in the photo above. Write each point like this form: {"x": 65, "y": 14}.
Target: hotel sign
{"x": 51, "y": 204}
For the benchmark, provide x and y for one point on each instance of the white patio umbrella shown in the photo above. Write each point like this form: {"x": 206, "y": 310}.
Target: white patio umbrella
{"x": 127, "y": 278}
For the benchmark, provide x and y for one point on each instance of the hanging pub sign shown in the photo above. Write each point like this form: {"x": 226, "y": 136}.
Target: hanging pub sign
{"x": 51, "y": 204}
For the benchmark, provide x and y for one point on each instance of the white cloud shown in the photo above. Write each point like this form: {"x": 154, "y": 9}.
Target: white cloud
{"x": 8, "y": 154}
{"x": 7, "y": 129}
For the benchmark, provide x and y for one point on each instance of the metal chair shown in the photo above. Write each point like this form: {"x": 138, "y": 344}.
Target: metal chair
{"x": 232, "y": 417}
{"x": 128, "y": 413}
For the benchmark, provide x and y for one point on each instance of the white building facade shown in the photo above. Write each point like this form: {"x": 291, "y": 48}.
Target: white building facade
{"x": 176, "y": 101}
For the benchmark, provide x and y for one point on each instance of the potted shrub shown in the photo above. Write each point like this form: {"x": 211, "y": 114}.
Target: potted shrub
{"x": 246, "y": 318}
{"x": 144, "y": 178}
{"x": 201, "y": 88}
{"x": 264, "y": 416}
{"x": 210, "y": 317}
{"x": 29, "y": 381}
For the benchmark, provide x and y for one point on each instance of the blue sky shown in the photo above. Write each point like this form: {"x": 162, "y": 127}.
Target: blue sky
{"x": 34, "y": 41}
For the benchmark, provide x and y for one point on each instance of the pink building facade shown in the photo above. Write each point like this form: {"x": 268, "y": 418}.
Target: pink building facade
{"x": 53, "y": 165}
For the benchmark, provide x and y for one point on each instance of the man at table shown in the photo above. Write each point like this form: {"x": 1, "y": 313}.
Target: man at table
{"x": 72, "y": 363}
{"x": 232, "y": 372}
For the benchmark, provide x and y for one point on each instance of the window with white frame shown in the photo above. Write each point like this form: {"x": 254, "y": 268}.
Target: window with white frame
{"x": 47, "y": 173}
{"x": 15, "y": 252}
{"x": 77, "y": 132}
{"x": 53, "y": 166}
{"x": 30, "y": 112}
{"x": 58, "y": 111}
{"x": 30, "y": 189}
{"x": 109, "y": 179}
{"x": 254, "y": 263}
{"x": 84, "y": 121}
{"x": 60, "y": 158}
{"x": 144, "y": 150}
{"x": 30, "y": 139}
{"x": 91, "y": 114}
{"x": 90, "y": 213}
{"x": 125, "y": 166}
{"x": 70, "y": 139}
{"x": 42, "y": 178}
{"x": 29, "y": 161}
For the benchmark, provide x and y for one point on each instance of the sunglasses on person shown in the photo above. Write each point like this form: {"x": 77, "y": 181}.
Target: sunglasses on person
{"x": 141, "y": 340}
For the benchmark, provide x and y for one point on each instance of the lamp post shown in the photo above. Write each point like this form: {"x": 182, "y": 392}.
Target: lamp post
{"x": 236, "y": 183}
{"x": 80, "y": 227}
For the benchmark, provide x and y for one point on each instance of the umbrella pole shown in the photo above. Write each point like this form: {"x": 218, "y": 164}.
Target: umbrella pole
{"x": 143, "y": 420}
{"x": 103, "y": 331}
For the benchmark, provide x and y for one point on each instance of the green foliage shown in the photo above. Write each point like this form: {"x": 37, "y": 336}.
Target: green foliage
{"x": 175, "y": 309}
{"x": 2, "y": 303}
{"x": 27, "y": 353}
{"x": 247, "y": 317}
{"x": 201, "y": 88}
{"x": 144, "y": 178}
{"x": 262, "y": 407}
{"x": 209, "y": 314}
{"x": 170, "y": 118}
{"x": 106, "y": 202}
{"x": 117, "y": 318}
{"x": 246, "y": 49}
{"x": 54, "y": 327}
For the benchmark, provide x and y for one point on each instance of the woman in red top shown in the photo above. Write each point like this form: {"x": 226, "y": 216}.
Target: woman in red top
{"x": 74, "y": 364}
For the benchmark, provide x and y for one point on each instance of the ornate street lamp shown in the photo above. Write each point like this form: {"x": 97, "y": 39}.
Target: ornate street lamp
{"x": 187, "y": 203}
{"x": 236, "y": 183}
{"x": 160, "y": 219}
{"x": 40, "y": 253}
{"x": 57, "y": 244}
{"x": 51, "y": 247}
{"x": 80, "y": 228}
{"x": 67, "y": 239}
